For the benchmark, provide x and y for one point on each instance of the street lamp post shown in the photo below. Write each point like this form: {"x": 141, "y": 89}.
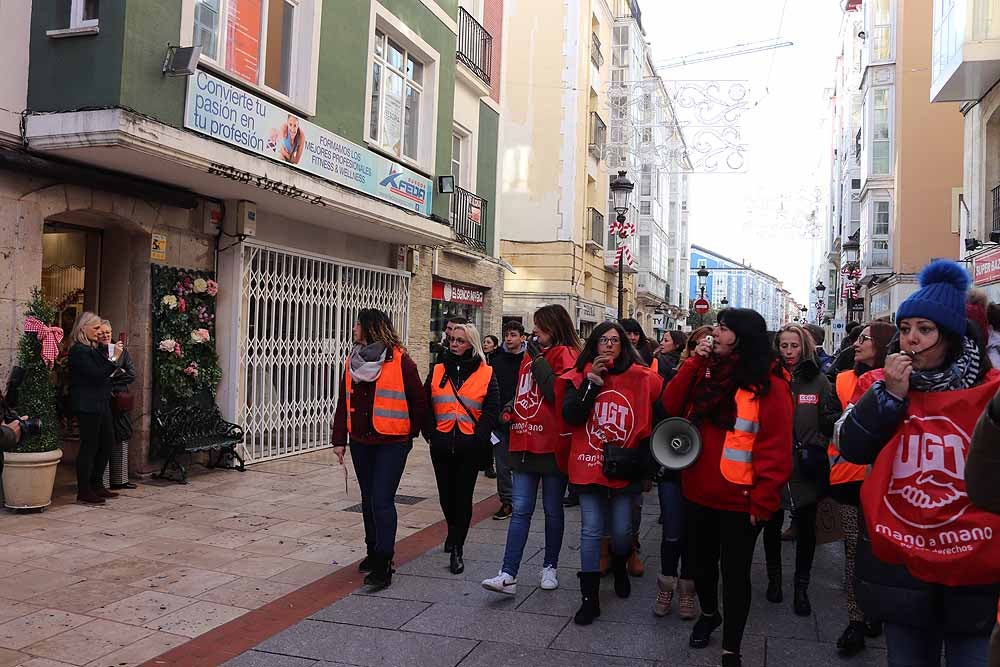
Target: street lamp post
{"x": 852, "y": 252}
{"x": 621, "y": 190}
{"x": 820, "y": 301}
{"x": 702, "y": 280}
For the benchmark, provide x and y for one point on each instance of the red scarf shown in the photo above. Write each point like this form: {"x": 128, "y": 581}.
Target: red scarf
{"x": 713, "y": 398}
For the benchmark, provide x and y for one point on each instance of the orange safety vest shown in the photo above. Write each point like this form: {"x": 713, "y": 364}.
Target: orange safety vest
{"x": 447, "y": 410}
{"x": 842, "y": 472}
{"x": 390, "y": 412}
{"x": 736, "y": 463}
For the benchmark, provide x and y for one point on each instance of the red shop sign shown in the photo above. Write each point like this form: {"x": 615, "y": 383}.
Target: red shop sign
{"x": 452, "y": 293}
{"x": 986, "y": 267}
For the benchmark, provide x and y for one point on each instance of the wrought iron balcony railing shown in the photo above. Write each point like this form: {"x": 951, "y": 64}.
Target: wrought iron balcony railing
{"x": 475, "y": 46}
{"x": 468, "y": 218}
{"x": 596, "y": 56}
{"x": 598, "y": 136}
{"x": 595, "y": 227}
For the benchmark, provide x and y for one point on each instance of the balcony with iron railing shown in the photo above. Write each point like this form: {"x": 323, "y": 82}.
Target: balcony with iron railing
{"x": 965, "y": 49}
{"x": 595, "y": 229}
{"x": 468, "y": 218}
{"x": 596, "y": 57}
{"x": 995, "y": 221}
{"x": 475, "y": 46}
{"x": 598, "y": 138}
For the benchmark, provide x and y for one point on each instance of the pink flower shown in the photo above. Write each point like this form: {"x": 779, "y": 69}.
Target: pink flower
{"x": 191, "y": 370}
{"x": 177, "y": 349}
{"x": 200, "y": 336}
{"x": 182, "y": 305}
{"x": 213, "y": 288}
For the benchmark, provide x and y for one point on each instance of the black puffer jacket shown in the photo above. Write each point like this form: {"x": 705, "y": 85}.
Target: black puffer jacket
{"x": 458, "y": 370}
{"x": 888, "y": 592}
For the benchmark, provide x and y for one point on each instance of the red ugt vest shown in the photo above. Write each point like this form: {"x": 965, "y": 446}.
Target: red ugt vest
{"x": 915, "y": 504}
{"x": 622, "y": 414}
{"x": 536, "y": 426}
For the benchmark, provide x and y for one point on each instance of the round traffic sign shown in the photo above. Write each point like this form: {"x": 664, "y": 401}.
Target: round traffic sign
{"x": 702, "y": 306}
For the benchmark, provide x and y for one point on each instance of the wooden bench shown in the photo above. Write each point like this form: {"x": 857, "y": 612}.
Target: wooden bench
{"x": 198, "y": 427}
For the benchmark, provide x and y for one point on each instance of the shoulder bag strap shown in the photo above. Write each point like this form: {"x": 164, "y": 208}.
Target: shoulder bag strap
{"x": 459, "y": 399}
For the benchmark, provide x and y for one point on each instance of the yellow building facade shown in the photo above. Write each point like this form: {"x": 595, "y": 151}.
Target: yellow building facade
{"x": 553, "y": 172}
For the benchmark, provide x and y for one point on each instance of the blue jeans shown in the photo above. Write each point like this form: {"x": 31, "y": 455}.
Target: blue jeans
{"x": 597, "y": 511}
{"x": 921, "y": 647}
{"x": 525, "y": 490}
{"x": 673, "y": 542}
{"x": 379, "y": 469}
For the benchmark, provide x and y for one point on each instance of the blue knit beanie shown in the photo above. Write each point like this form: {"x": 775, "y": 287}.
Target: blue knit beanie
{"x": 941, "y": 298}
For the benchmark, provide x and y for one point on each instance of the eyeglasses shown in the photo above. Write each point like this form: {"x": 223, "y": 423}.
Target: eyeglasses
{"x": 863, "y": 338}
{"x": 604, "y": 340}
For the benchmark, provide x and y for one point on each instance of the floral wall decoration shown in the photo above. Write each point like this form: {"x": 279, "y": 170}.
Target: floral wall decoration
{"x": 185, "y": 362}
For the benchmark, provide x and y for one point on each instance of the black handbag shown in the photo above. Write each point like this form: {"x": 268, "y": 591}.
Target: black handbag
{"x": 622, "y": 463}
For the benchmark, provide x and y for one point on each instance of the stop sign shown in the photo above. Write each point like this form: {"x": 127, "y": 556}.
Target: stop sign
{"x": 701, "y": 306}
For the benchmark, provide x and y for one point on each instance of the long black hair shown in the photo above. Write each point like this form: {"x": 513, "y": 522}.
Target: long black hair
{"x": 628, "y": 353}
{"x": 758, "y": 361}
{"x": 644, "y": 347}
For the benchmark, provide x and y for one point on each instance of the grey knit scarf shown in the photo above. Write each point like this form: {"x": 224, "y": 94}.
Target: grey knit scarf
{"x": 366, "y": 362}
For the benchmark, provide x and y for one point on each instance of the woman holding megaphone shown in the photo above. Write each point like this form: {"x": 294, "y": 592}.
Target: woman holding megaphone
{"x": 737, "y": 395}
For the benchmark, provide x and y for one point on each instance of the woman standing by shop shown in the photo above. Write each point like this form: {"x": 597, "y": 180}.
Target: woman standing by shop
{"x": 871, "y": 344}
{"x": 912, "y": 423}
{"x": 380, "y": 409}
{"x": 465, "y": 402}
{"x": 538, "y": 446}
{"x": 816, "y": 411}
{"x": 91, "y": 366}
{"x": 609, "y": 407}
{"x": 117, "y": 475}
{"x": 735, "y": 392}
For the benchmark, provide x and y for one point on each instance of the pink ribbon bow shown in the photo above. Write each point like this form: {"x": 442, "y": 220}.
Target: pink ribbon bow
{"x": 49, "y": 336}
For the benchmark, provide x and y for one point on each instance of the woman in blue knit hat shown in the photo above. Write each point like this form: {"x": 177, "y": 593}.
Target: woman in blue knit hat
{"x": 928, "y": 562}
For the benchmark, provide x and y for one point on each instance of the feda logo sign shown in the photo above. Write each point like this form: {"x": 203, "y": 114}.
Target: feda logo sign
{"x": 399, "y": 184}
{"x": 927, "y": 489}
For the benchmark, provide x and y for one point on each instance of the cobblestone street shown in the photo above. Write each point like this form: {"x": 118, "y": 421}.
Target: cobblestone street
{"x": 429, "y": 617}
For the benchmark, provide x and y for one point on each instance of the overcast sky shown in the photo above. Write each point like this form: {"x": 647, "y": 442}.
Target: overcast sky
{"x": 756, "y": 215}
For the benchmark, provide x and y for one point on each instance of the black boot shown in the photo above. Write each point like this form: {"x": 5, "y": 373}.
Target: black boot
{"x": 381, "y": 575}
{"x": 801, "y": 602}
{"x": 853, "y": 639}
{"x": 703, "y": 629}
{"x": 619, "y": 567}
{"x": 774, "y": 593}
{"x": 368, "y": 563}
{"x": 457, "y": 565}
{"x": 873, "y": 629}
{"x": 590, "y": 608}
{"x": 732, "y": 660}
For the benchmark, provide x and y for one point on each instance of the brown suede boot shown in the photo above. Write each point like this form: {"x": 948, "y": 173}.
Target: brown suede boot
{"x": 635, "y": 565}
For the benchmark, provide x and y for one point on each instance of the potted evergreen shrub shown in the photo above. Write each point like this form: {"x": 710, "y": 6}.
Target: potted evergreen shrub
{"x": 29, "y": 472}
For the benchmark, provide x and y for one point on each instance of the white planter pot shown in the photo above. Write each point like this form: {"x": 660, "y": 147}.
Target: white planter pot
{"x": 28, "y": 478}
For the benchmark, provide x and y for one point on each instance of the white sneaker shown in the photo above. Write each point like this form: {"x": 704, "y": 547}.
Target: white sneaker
{"x": 549, "y": 581}
{"x": 502, "y": 583}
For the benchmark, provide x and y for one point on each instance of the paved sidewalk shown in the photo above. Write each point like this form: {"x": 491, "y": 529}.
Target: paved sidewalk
{"x": 430, "y": 617}
{"x": 117, "y": 585}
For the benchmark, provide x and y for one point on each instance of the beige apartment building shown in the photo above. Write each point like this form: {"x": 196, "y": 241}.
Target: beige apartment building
{"x": 909, "y": 152}
{"x": 966, "y": 69}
